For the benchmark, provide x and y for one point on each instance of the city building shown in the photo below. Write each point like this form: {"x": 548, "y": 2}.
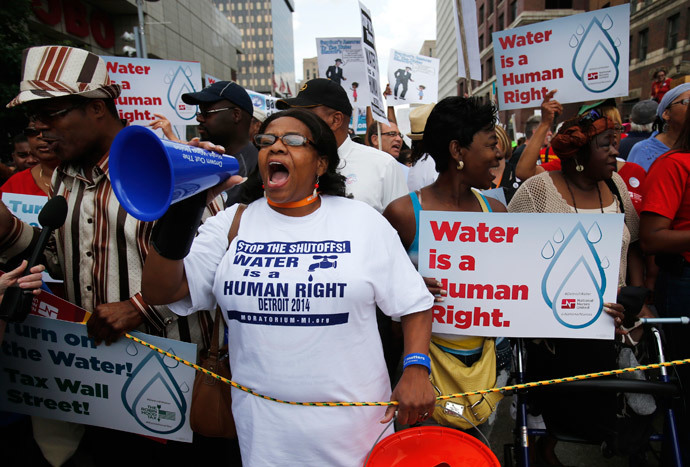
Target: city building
{"x": 174, "y": 30}
{"x": 492, "y": 16}
{"x": 268, "y": 62}
{"x": 428, "y": 48}
{"x": 659, "y": 32}
{"x": 310, "y": 69}
{"x": 659, "y": 38}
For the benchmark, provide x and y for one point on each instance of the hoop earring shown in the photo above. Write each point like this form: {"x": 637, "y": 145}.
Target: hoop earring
{"x": 461, "y": 165}
{"x": 316, "y": 187}
{"x": 579, "y": 167}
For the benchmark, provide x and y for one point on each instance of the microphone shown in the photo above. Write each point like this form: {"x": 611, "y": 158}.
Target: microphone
{"x": 16, "y": 303}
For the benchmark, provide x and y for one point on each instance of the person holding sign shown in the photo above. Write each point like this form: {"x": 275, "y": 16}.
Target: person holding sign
{"x": 665, "y": 232}
{"x": 460, "y": 135}
{"x": 587, "y": 183}
{"x": 298, "y": 286}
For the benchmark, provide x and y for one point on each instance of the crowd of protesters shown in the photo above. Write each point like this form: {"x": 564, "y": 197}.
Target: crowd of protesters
{"x": 303, "y": 178}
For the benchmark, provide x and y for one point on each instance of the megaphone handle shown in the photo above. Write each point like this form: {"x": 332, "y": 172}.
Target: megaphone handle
{"x": 174, "y": 233}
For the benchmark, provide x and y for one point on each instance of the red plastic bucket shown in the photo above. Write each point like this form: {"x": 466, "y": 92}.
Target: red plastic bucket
{"x": 430, "y": 446}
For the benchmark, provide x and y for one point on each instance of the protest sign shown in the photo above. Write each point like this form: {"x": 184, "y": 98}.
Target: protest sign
{"x": 584, "y": 56}
{"x": 522, "y": 275}
{"x": 154, "y": 86}
{"x": 263, "y": 102}
{"x": 52, "y": 369}
{"x": 358, "y": 120}
{"x": 416, "y": 71}
{"x": 53, "y": 307}
{"x": 470, "y": 40}
{"x": 25, "y": 207}
{"x": 341, "y": 59}
{"x": 378, "y": 110}
{"x": 210, "y": 79}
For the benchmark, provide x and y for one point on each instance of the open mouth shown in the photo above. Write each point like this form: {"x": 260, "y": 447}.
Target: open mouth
{"x": 278, "y": 174}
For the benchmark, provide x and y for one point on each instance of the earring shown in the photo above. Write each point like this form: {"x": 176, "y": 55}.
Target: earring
{"x": 461, "y": 165}
{"x": 316, "y": 187}
{"x": 579, "y": 167}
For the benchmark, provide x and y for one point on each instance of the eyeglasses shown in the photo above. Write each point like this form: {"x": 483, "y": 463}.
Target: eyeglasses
{"x": 205, "y": 113}
{"x": 266, "y": 140}
{"x": 684, "y": 102}
{"x": 48, "y": 115}
{"x": 392, "y": 134}
{"x": 31, "y": 132}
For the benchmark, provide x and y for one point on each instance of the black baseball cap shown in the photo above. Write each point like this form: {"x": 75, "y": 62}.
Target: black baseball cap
{"x": 218, "y": 91}
{"x": 319, "y": 91}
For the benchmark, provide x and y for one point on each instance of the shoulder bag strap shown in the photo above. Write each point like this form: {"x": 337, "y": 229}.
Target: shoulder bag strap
{"x": 232, "y": 233}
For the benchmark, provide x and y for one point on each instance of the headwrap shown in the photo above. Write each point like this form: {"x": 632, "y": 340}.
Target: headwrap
{"x": 670, "y": 96}
{"x": 567, "y": 142}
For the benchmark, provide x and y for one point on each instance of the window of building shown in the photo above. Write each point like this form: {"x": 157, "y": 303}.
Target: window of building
{"x": 261, "y": 31}
{"x": 220, "y": 7}
{"x": 263, "y": 81}
{"x": 480, "y": 20}
{"x": 501, "y": 24}
{"x": 489, "y": 7}
{"x": 490, "y": 39}
{"x": 513, "y": 11}
{"x": 262, "y": 69}
{"x": 239, "y": 7}
{"x": 672, "y": 32}
{"x": 258, "y": 5}
{"x": 489, "y": 68}
{"x": 240, "y": 19}
{"x": 642, "y": 44}
{"x": 261, "y": 56}
{"x": 261, "y": 44}
{"x": 481, "y": 41}
{"x": 308, "y": 74}
{"x": 558, "y": 4}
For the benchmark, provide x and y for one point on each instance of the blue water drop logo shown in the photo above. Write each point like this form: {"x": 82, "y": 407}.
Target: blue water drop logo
{"x": 574, "y": 283}
{"x": 594, "y": 233}
{"x": 558, "y": 236}
{"x": 179, "y": 83}
{"x": 132, "y": 349}
{"x": 152, "y": 396}
{"x": 547, "y": 251}
{"x": 605, "y": 263}
{"x": 596, "y": 59}
{"x": 169, "y": 361}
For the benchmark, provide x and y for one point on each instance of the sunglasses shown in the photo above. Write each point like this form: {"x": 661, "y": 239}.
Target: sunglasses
{"x": 48, "y": 115}
{"x": 267, "y": 140}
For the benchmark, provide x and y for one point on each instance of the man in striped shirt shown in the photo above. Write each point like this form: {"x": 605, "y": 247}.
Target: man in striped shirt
{"x": 100, "y": 250}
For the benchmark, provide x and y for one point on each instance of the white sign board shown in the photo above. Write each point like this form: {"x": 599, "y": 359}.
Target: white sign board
{"x": 413, "y": 78}
{"x": 584, "y": 56}
{"x": 263, "y": 102}
{"x": 341, "y": 59}
{"x": 51, "y": 369}
{"x": 378, "y": 109}
{"x": 155, "y": 86}
{"x": 522, "y": 275}
{"x": 25, "y": 207}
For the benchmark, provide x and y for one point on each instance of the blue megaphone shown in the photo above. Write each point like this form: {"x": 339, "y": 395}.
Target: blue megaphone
{"x": 149, "y": 174}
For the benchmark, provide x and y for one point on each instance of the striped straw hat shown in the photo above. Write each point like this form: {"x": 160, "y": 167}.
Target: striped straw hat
{"x": 56, "y": 71}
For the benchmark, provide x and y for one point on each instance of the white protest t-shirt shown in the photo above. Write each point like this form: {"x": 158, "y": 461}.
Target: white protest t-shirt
{"x": 299, "y": 297}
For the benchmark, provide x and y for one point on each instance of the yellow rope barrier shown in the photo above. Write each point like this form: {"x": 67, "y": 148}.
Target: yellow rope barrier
{"x": 439, "y": 398}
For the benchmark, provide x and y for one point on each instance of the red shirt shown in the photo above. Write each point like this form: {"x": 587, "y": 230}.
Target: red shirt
{"x": 632, "y": 174}
{"x": 659, "y": 89}
{"x": 22, "y": 183}
{"x": 667, "y": 190}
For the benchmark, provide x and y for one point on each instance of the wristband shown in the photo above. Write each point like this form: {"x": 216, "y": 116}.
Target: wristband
{"x": 174, "y": 233}
{"x": 417, "y": 359}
